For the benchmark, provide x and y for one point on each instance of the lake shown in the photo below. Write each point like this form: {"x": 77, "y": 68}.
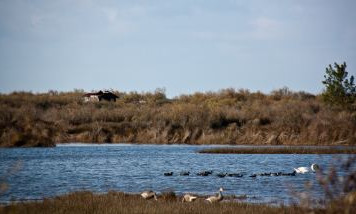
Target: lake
{"x": 48, "y": 172}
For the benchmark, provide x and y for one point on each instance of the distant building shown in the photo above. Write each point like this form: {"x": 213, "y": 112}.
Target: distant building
{"x": 99, "y": 96}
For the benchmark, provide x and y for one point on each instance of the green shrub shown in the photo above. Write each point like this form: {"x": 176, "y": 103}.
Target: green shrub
{"x": 339, "y": 90}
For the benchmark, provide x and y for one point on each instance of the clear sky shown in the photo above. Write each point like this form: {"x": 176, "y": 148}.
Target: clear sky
{"x": 184, "y": 46}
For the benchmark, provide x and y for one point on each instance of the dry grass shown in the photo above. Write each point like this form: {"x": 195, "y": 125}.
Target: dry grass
{"x": 225, "y": 117}
{"x": 114, "y": 202}
{"x": 280, "y": 150}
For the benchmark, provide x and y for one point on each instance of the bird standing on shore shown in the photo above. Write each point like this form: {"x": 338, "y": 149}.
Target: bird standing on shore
{"x": 148, "y": 195}
{"x": 188, "y": 198}
{"x": 219, "y": 197}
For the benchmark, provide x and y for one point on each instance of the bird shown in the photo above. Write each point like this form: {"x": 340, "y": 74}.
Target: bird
{"x": 301, "y": 170}
{"x": 221, "y": 175}
{"x": 188, "y": 198}
{"x": 219, "y": 197}
{"x": 205, "y": 173}
{"x": 149, "y": 194}
{"x": 238, "y": 175}
{"x": 168, "y": 173}
{"x": 185, "y": 173}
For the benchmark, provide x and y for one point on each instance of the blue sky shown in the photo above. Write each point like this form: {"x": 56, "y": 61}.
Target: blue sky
{"x": 184, "y": 46}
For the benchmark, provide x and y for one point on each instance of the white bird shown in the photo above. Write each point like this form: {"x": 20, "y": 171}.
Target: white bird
{"x": 188, "y": 198}
{"x": 148, "y": 195}
{"x": 217, "y": 198}
{"x": 314, "y": 167}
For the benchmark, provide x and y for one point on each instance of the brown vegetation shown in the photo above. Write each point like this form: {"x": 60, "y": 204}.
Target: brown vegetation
{"x": 279, "y": 150}
{"x": 114, "y": 202}
{"x": 225, "y": 117}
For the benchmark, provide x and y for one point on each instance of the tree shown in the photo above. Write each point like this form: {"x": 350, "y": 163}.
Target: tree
{"x": 339, "y": 90}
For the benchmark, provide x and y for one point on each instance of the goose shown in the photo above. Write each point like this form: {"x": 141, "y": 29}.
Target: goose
{"x": 148, "y": 195}
{"x": 301, "y": 170}
{"x": 188, "y": 198}
{"x": 219, "y": 197}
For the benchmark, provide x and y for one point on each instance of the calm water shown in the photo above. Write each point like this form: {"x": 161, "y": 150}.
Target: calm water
{"x": 47, "y": 172}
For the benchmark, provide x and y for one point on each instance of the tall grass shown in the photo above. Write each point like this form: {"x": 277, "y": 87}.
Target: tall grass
{"x": 224, "y": 117}
{"x": 115, "y": 202}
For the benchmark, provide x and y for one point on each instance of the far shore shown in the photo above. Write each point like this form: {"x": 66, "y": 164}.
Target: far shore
{"x": 226, "y": 117}
{"x": 282, "y": 150}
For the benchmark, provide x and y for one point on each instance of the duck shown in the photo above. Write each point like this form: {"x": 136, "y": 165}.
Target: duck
{"x": 235, "y": 175}
{"x": 149, "y": 194}
{"x": 301, "y": 170}
{"x": 189, "y": 198}
{"x": 168, "y": 173}
{"x": 205, "y": 173}
{"x": 221, "y": 175}
{"x": 185, "y": 173}
{"x": 218, "y": 198}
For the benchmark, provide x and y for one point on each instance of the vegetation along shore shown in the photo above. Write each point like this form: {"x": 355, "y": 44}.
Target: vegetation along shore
{"x": 117, "y": 202}
{"x": 228, "y": 116}
{"x": 225, "y": 117}
{"x": 280, "y": 150}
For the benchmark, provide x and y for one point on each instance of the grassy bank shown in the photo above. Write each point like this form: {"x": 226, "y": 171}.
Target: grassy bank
{"x": 279, "y": 150}
{"x": 225, "y": 117}
{"x": 113, "y": 202}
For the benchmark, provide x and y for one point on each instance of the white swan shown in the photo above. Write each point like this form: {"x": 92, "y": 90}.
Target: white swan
{"x": 217, "y": 198}
{"x": 314, "y": 167}
{"x": 188, "y": 198}
{"x": 148, "y": 195}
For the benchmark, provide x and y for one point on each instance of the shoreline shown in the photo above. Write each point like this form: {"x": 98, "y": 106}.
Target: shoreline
{"x": 168, "y": 202}
{"x": 282, "y": 150}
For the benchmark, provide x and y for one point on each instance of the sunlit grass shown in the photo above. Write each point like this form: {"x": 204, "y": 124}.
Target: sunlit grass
{"x": 279, "y": 150}
{"x": 115, "y": 202}
{"x": 228, "y": 116}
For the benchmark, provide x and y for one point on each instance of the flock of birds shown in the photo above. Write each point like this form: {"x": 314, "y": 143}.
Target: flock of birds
{"x": 187, "y": 197}
{"x": 299, "y": 170}
{"x": 219, "y": 197}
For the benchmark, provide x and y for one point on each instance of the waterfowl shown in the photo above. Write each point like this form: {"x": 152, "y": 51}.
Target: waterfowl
{"x": 276, "y": 173}
{"x": 148, "y": 195}
{"x": 221, "y": 175}
{"x": 188, "y": 198}
{"x": 205, "y": 173}
{"x": 289, "y": 174}
{"x": 314, "y": 167}
{"x": 253, "y": 176}
{"x": 219, "y": 197}
{"x": 185, "y": 173}
{"x": 168, "y": 173}
{"x": 235, "y": 175}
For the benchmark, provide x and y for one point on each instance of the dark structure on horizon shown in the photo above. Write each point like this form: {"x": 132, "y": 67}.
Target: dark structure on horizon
{"x": 99, "y": 96}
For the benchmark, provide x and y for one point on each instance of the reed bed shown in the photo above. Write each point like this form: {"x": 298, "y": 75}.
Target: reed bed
{"x": 279, "y": 150}
{"x": 228, "y": 116}
{"x": 117, "y": 202}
